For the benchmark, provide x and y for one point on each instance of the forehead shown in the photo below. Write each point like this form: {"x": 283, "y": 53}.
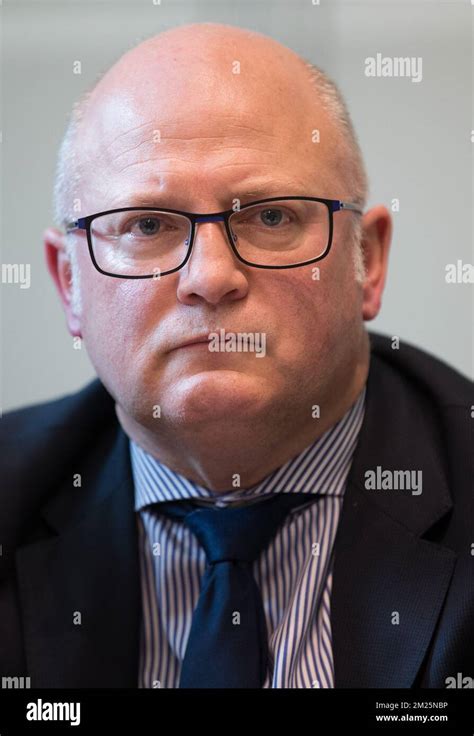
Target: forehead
{"x": 174, "y": 135}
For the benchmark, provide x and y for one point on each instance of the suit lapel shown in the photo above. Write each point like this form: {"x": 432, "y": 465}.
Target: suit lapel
{"x": 89, "y": 568}
{"x": 389, "y": 583}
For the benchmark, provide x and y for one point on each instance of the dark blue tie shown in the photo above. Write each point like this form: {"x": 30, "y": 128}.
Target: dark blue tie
{"x": 228, "y": 643}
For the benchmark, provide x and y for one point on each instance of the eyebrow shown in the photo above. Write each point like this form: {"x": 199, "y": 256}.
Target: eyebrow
{"x": 157, "y": 199}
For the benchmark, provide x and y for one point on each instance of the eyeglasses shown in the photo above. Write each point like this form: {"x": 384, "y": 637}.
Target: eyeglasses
{"x": 149, "y": 242}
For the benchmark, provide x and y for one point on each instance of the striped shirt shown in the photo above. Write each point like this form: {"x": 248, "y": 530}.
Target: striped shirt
{"x": 294, "y": 573}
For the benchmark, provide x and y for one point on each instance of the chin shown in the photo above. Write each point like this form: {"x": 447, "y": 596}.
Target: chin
{"x": 211, "y": 395}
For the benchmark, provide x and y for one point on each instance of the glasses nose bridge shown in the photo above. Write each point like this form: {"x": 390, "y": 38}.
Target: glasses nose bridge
{"x": 209, "y": 218}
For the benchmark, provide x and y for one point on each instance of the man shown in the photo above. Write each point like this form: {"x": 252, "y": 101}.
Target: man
{"x": 256, "y": 492}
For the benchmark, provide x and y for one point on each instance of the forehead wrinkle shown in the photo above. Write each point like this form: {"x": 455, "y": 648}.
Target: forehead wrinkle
{"x": 189, "y": 141}
{"x": 135, "y": 129}
{"x": 115, "y": 158}
{"x": 181, "y": 160}
{"x": 226, "y": 144}
{"x": 225, "y": 136}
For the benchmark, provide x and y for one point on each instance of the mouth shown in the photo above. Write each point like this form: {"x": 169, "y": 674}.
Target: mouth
{"x": 193, "y": 342}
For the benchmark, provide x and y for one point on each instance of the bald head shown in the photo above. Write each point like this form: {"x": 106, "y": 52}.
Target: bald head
{"x": 209, "y": 53}
{"x": 210, "y": 66}
{"x": 196, "y": 86}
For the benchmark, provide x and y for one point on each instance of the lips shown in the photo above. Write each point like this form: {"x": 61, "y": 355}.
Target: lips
{"x": 193, "y": 341}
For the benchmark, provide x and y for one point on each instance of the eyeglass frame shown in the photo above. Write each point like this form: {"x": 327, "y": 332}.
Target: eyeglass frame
{"x": 333, "y": 205}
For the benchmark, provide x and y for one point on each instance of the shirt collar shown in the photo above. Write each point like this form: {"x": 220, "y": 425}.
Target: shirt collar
{"x": 322, "y": 468}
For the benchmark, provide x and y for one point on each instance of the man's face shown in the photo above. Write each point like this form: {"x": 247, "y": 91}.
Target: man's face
{"x": 227, "y": 137}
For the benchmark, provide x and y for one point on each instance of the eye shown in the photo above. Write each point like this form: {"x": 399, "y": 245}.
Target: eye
{"x": 146, "y": 226}
{"x": 271, "y": 216}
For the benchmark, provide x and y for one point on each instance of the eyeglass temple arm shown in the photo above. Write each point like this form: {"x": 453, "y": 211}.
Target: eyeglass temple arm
{"x": 75, "y": 225}
{"x": 338, "y": 205}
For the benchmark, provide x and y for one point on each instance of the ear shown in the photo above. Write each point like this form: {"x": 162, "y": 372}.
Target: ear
{"x": 376, "y": 239}
{"x": 59, "y": 266}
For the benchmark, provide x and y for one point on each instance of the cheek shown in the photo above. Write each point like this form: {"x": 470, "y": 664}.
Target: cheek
{"x": 119, "y": 316}
{"x": 303, "y": 302}
{"x": 316, "y": 311}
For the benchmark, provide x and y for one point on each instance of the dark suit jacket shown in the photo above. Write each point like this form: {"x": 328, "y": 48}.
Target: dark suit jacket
{"x": 70, "y": 548}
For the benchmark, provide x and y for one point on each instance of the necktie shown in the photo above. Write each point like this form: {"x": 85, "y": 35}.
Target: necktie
{"x": 228, "y": 644}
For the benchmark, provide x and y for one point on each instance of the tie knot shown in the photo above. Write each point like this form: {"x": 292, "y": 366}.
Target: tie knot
{"x": 235, "y": 533}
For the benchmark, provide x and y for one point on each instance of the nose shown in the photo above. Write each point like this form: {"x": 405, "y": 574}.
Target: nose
{"x": 212, "y": 273}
